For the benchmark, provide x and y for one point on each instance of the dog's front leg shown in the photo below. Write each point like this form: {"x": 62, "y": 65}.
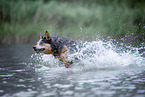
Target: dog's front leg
{"x": 64, "y": 60}
{"x": 63, "y": 55}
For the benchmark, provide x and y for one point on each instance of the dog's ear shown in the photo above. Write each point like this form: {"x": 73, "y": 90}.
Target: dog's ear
{"x": 41, "y": 36}
{"x": 47, "y": 35}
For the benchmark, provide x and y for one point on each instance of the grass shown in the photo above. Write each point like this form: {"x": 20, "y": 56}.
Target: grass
{"x": 23, "y": 21}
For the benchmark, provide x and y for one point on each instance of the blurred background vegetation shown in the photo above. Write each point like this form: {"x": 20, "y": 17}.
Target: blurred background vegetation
{"x": 22, "y": 21}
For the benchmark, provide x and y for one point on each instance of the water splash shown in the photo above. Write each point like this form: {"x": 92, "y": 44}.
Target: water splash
{"x": 97, "y": 54}
{"x": 100, "y": 54}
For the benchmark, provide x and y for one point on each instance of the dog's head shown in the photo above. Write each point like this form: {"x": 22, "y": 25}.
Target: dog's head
{"x": 44, "y": 44}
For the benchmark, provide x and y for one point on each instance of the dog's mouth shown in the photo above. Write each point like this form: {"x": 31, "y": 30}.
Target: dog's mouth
{"x": 38, "y": 50}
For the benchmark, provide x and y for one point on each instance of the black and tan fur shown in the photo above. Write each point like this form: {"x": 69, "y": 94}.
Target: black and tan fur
{"x": 59, "y": 47}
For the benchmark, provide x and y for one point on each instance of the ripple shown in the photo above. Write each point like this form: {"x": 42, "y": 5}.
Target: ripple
{"x": 1, "y": 91}
{"x": 140, "y": 91}
{"x": 62, "y": 86}
{"x": 67, "y": 93}
{"x": 8, "y": 75}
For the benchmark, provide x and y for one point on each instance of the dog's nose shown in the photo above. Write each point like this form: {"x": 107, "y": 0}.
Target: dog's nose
{"x": 34, "y": 47}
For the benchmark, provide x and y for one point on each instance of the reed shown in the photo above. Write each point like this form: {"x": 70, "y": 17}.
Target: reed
{"x": 22, "y": 21}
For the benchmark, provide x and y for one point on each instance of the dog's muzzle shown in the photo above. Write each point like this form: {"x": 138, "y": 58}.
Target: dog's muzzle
{"x": 38, "y": 50}
{"x": 34, "y": 48}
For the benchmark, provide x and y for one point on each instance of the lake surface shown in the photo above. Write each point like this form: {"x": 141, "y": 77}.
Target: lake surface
{"x": 99, "y": 69}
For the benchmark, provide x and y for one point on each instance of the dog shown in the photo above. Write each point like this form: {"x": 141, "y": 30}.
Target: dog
{"x": 59, "y": 47}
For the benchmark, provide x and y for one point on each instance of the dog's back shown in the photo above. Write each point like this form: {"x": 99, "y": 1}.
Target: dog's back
{"x": 60, "y": 42}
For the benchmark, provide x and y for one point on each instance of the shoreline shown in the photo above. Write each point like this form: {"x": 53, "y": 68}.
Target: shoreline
{"x": 33, "y": 40}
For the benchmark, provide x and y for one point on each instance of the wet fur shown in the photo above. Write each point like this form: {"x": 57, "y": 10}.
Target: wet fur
{"x": 59, "y": 47}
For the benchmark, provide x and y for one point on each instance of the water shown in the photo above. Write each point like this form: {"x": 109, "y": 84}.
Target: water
{"x": 99, "y": 69}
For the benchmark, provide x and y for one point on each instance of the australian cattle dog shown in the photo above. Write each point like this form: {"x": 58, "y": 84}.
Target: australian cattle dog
{"x": 59, "y": 47}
